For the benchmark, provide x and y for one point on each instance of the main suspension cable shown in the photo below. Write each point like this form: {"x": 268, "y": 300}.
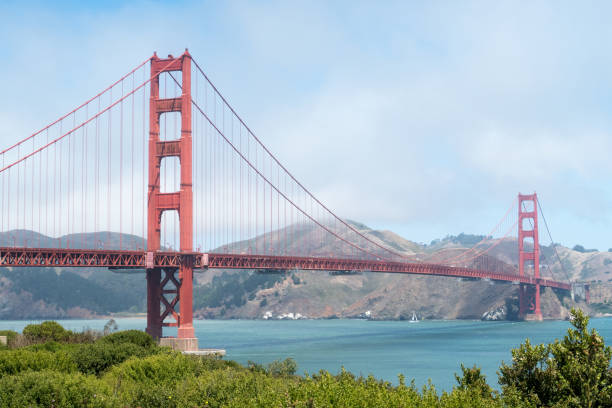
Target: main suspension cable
{"x": 553, "y": 242}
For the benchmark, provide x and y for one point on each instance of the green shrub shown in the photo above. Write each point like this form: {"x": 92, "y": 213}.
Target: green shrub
{"x": 161, "y": 380}
{"x": 283, "y": 368}
{"x": 154, "y": 396}
{"x": 473, "y": 379}
{"x": 53, "y": 389}
{"x": 98, "y": 357}
{"x": 167, "y": 368}
{"x": 18, "y": 360}
{"x": 277, "y": 368}
{"x": 52, "y": 346}
{"x": 136, "y": 337}
{"x": 213, "y": 362}
{"x": 572, "y": 372}
{"x": 46, "y": 331}
{"x": 231, "y": 388}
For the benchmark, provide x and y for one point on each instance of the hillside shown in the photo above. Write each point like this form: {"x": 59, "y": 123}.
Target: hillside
{"x": 56, "y": 293}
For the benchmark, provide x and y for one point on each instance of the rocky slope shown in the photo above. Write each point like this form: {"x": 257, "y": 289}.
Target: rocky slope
{"x": 388, "y": 296}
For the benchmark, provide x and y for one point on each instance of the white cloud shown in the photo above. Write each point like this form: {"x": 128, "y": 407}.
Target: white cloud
{"x": 427, "y": 118}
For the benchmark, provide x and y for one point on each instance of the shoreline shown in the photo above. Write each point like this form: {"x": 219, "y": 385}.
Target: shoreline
{"x": 144, "y": 316}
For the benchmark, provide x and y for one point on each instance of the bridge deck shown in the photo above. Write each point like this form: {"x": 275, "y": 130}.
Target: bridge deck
{"x": 116, "y": 259}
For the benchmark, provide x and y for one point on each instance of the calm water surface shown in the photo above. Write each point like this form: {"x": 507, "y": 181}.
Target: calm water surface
{"x": 427, "y": 349}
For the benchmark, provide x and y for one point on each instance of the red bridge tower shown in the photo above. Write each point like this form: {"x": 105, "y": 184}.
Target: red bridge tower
{"x": 179, "y": 288}
{"x": 529, "y": 295}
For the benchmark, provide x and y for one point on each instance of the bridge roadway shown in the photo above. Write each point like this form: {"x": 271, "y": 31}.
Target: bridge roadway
{"x": 120, "y": 259}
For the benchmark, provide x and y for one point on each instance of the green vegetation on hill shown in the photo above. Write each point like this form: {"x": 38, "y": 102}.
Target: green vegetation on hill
{"x": 106, "y": 292}
{"x": 467, "y": 240}
{"x": 232, "y": 289}
{"x": 580, "y": 248}
{"x": 126, "y": 369}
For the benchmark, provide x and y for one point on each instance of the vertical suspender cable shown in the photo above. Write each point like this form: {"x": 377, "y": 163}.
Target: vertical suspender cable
{"x": 108, "y": 180}
{"x": 121, "y": 170}
{"x": 133, "y": 245}
{"x": 84, "y": 180}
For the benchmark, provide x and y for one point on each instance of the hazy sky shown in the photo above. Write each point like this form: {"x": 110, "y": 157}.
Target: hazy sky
{"x": 425, "y": 118}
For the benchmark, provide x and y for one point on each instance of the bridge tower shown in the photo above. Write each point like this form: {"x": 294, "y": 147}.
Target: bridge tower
{"x": 529, "y": 295}
{"x": 179, "y": 288}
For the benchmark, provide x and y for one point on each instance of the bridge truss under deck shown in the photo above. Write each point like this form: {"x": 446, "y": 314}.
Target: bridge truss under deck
{"x": 45, "y": 257}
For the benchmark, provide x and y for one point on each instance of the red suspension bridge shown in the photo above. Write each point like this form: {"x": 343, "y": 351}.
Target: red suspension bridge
{"x": 166, "y": 177}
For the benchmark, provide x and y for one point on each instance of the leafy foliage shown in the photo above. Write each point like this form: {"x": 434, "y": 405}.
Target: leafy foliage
{"x": 283, "y": 368}
{"x": 48, "y": 388}
{"x": 46, "y": 331}
{"x": 277, "y": 368}
{"x": 19, "y": 360}
{"x": 98, "y": 357}
{"x": 136, "y": 337}
{"x": 572, "y": 372}
{"x": 473, "y": 379}
{"x": 127, "y": 369}
{"x": 104, "y": 292}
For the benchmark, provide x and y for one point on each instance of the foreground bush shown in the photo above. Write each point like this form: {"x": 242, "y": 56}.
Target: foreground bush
{"x": 19, "y": 360}
{"x": 49, "y": 388}
{"x": 99, "y": 357}
{"x": 175, "y": 380}
{"x": 127, "y": 369}
{"x": 573, "y": 372}
{"x": 46, "y": 331}
{"x": 137, "y": 337}
{"x": 168, "y": 368}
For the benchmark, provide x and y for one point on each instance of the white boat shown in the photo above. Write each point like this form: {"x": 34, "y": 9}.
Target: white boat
{"x": 414, "y": 318}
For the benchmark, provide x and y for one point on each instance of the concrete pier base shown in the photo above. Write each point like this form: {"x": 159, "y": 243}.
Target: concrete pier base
{"x": 189, "y": 346}
{"x": 180, "y": 344}
{"x": 533, "y": 317}
{"x": 206, "y": 352}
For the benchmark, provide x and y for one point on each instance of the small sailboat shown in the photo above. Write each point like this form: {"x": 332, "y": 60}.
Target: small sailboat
{"x": 414, "y": 318}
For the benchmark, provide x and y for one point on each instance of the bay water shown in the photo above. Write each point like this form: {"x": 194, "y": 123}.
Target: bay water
{"x": 424, "y": 350}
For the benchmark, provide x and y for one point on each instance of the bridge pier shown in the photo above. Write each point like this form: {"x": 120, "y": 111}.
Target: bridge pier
{"x": 529, "y": 302}
{"x": 529, "y": 295}
{"x": 185, "y": 327}
{"x": 175, "y": 293}
{"x": 181, "y": 287}
{"x": 154, "y": 322}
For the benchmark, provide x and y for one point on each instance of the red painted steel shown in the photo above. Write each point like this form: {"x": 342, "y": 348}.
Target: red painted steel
{"x": 154, "y": 296}
{"x": 181, "y": 201}
{"x": 233, "y": 261}
{"x": 18, "y": 257}
{"x": 529, "y": 298}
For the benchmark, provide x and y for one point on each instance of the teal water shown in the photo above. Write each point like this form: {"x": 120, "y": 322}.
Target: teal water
{"x": 427, "y": 349}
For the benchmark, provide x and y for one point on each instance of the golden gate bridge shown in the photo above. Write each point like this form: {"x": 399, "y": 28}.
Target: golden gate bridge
{"x": 168, "y": 178}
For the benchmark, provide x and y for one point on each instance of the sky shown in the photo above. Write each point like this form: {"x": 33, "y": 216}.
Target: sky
{"x": 424, "y": 118}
